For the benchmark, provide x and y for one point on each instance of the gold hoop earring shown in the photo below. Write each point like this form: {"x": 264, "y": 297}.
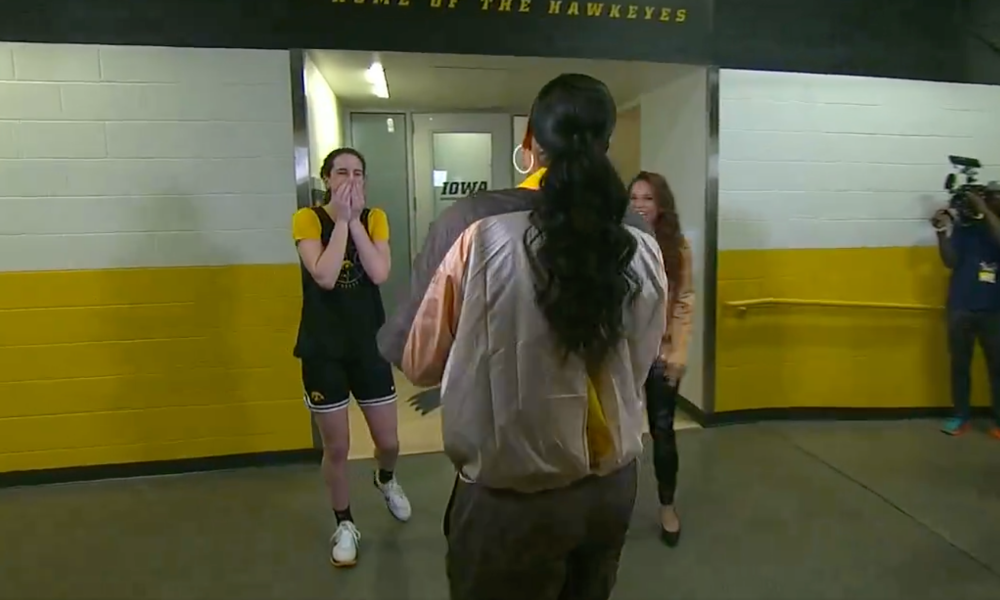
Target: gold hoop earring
{"x": 517, "y": 167}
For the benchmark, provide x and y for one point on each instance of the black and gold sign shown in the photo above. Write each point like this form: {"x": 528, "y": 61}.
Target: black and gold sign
{"x": 677, "y": 31}
{"x": 566, "y": 8}
{"x": 655, "y": 30}
{"x": 774, "y": 35}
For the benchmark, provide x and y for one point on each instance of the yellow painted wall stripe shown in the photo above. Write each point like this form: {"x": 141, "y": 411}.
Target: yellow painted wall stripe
{"x": 825, "y": 357}
{"x": 118, "y": 366}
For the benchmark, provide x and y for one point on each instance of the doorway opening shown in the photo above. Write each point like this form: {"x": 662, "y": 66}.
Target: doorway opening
{"x": 438, "y": 127}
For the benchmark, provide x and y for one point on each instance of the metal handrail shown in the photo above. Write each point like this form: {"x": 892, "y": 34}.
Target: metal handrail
{"x": 743, "y": 305}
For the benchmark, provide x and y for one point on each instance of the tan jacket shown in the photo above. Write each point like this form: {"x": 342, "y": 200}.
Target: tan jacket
{"x": 513, "y": 416}
{"x": 674, "y": 349}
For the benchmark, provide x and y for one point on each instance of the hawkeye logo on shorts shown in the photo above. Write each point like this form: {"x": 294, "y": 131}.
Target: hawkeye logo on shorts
{"x": 460, "y": 189}
{"x": 316, "y": 397}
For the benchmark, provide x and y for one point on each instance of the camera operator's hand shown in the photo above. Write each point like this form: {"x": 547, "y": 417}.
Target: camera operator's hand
{"x": 942, "y": 219}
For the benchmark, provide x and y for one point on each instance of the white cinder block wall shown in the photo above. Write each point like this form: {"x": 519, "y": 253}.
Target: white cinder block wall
{"x": 821, "y": 161}
{"x": 326, "y": 129}
{"x": 143, "y": 157}
{"x": 674, "y": 143}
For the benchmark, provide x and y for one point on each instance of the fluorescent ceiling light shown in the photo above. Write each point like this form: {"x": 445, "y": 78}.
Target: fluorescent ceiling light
{"x": 375, "y": 75}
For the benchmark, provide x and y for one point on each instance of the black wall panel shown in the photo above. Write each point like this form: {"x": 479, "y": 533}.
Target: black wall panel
{"x": 947, "y": 40}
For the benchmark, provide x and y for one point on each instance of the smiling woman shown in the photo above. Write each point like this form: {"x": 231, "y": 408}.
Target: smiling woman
{"x": 653, "y": 199}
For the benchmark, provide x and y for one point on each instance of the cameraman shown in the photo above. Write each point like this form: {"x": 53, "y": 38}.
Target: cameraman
{"x": 969, "y": 244}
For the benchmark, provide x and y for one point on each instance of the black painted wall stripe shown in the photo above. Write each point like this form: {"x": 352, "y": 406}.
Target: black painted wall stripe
{"x": 939, "y": 40}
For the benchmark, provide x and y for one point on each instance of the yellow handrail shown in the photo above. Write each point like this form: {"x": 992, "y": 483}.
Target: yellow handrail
{"x": 743, "y": 305}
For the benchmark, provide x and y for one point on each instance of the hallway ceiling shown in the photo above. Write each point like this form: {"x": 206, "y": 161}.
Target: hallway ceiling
{"x": 449, "y": 82}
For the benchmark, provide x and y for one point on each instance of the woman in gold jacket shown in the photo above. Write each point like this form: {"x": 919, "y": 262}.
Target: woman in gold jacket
{"x": 652, "y": 198}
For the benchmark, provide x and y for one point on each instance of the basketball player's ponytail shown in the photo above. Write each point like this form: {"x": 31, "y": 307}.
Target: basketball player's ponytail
{"x": 579, "y": 250}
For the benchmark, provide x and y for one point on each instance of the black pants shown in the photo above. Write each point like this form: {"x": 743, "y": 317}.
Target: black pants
{"x": 964, "y": 330}
{"x": 661, "y": 404}
{"x": 561, "y": 544}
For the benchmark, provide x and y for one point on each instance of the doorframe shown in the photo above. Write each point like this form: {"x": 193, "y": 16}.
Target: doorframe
{"x": 300, "y": 128}
{"x": 514, "y": 142}
{"x": 709, "y": 300}
{"x": 301, "y": 159}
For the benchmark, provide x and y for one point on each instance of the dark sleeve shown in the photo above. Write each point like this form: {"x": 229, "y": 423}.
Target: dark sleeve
{"x": 956, "y": 241}
{"x": 443, "y": 233}
{"x": 635, "y": 220}
{"x": 441, "y": 236}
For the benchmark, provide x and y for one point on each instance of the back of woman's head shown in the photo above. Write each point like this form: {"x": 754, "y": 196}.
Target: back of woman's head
{"x": 580, "y": 251}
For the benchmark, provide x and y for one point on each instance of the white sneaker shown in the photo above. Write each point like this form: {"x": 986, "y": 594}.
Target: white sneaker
{"x": 395, "y": 498}
{"x": 344, "y": 545}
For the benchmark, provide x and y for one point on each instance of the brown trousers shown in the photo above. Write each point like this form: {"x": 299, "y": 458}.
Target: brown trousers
{"x": 560, "y": 544}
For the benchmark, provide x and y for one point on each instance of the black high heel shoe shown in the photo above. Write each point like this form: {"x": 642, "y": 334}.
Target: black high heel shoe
{"x": 670, "y": 538}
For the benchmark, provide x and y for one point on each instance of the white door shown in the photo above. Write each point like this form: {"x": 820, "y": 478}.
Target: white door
{"x": 455, "y": 155}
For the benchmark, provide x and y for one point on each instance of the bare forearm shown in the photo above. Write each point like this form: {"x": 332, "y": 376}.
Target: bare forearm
{"x": 328, "y": 266}
{"x": 375, "y": 265}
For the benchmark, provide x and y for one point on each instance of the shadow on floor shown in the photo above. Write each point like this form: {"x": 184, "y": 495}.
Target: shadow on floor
{"x": 835, "y": 511}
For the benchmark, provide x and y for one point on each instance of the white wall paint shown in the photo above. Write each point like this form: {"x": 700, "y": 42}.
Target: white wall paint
{"x": 520, "y": 127}
{"x": 821, "y": 161}
{"x": 674, "y": 142}
{"x": 117, "y": 156}
{"x": 326, "y": 128}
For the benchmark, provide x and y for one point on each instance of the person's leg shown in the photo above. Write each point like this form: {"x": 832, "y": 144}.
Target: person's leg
{"x": 327, "y": 396}
{"x": 661, "y": 406}
{"x": 593, "y": 566}
{"x": 961, "y": 341}
{"x": 989, "y": 339}
{"x": 504, "y": 545}
{"x": 375, "y": 390}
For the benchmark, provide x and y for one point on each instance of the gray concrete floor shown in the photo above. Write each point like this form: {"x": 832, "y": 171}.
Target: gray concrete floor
{"x": 777, "y": 511}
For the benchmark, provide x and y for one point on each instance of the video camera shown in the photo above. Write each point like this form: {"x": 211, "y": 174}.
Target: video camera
{"x": 960, "y": 201}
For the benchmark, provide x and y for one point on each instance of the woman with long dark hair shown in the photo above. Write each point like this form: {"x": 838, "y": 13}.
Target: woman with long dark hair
{"x": 652, "y": 198}
{"x": 343, "y": 247}
{"x": 539, "y": 313}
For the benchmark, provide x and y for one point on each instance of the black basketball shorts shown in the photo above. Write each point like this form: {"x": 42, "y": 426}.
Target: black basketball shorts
{"x": 329, "y": 383}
